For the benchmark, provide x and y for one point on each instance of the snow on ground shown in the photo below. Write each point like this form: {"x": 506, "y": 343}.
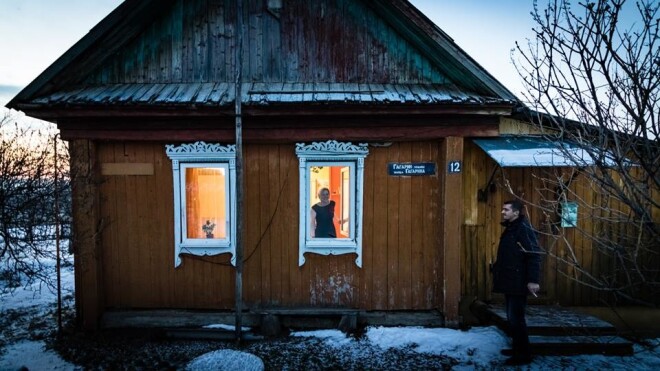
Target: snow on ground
{"x": 476, "y": 348}
{"x": 33, "y": 356}
{"x": 222, "y": 326}
{"x": 480, "y": 347}
{"x": 35, "y": 295}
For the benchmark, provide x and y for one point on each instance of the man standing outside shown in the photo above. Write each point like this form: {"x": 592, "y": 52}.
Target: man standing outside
{"x": 516, "y": 274}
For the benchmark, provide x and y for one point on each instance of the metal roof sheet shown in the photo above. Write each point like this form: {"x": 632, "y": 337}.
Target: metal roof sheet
{"x": 539, "y": 152}
{"x": 256, "y": 94}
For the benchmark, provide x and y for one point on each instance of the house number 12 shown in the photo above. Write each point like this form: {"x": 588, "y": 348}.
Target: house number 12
{"x": 454, "y": 167}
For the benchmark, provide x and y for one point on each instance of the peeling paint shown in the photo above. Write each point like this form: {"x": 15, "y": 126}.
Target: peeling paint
{"x": 336, "y": 290}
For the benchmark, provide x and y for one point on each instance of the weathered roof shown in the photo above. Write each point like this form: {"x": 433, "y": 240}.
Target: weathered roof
{"x": 222, "y": 94}
{"x": 64, "y": 83}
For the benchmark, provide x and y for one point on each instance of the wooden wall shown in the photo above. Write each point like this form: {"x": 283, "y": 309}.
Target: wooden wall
{"x": 560, "y": 280}
{"x": 400, "y": 246}
{"x": 402, "y": 253}
{"x": 303, "y": 41}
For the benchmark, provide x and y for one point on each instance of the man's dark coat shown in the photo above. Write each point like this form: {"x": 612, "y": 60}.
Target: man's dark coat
{"x": 518, "y": 258}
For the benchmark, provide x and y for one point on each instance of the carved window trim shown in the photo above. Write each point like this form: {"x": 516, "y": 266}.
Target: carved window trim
{"x": 211, "y": 155}
{"x": 331, "y": 152}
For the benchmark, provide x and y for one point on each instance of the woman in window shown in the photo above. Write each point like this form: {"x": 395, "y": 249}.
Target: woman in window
{"x": 323, "y": 215}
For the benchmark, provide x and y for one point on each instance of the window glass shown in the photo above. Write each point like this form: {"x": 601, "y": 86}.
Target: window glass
{"x": 569, "y": 214}
{"x": 330, "y": 199}
{"x": 206, "y": 210}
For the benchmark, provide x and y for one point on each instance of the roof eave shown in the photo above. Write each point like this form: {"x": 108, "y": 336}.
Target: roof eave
{"x": 53, "y": 113}
{"x": 423, "y": 26}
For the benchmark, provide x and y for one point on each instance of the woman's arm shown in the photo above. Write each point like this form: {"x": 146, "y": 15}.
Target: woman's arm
{"x": 312, "y": 222}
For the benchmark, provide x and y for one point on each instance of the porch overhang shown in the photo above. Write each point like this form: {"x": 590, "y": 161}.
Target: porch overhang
{"x": 534, "y": 151}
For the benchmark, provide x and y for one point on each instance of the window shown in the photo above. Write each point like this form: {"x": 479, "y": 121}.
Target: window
{"x": 204, "y": 203}
{"x": 569, "y": 214}
{"x": 331, "y": 177}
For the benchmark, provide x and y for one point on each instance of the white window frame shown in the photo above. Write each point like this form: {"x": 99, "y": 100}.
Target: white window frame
{"x": 351, "y": 211}
{"x": 201, "y": 154}
{"x": 331, "y": 153}
{"x": 340, "y": 241}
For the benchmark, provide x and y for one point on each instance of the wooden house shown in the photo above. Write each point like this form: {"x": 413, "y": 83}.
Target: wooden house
{"x": 367, "y": 98}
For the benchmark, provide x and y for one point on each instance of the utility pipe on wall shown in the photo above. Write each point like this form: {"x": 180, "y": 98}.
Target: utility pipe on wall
{"x": 238, "y": 58}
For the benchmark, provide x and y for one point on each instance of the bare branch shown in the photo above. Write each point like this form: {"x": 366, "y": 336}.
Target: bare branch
{"x": 595, "y": 82}
{"x": 27, "y": 189}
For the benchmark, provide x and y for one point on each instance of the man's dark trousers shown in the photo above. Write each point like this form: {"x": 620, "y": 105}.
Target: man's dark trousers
{"x": 515, "y": 314}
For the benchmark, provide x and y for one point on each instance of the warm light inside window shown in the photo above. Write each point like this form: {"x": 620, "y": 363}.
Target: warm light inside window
{"x": 206, "y": 211}
{"x": 337, "y": 180}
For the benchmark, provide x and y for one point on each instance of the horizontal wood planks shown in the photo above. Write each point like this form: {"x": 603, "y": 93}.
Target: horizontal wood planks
{"x": 127, "y": 169}
{"x": 287, "y": 129}
{"x": 400, "y": 245}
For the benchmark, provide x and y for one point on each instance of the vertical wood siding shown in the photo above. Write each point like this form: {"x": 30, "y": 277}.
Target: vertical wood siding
{"x": 304, "y": 41}
{"x": 85, "y": 212}
{"x": 400, "y": 246}
{"x": 138, "y": 245}
{"x": 560, "y": 282}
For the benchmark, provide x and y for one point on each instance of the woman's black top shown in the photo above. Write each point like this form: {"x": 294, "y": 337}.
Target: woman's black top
{"x": 325, "y": 228}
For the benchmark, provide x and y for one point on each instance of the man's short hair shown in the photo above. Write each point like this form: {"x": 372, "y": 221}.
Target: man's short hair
{"x": 516, "y": 205}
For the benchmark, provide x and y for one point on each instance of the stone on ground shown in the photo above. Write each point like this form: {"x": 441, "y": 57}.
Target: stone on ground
{"x": 226, "y": 360}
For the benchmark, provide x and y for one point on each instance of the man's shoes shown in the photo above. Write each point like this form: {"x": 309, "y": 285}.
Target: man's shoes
{"x": 506, "y": 352}
{"x": 518, "y": 360}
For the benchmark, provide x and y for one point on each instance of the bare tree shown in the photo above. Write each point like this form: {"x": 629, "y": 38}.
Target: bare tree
{"x": 28, "y": 185}
{"x": 593, "y": 69}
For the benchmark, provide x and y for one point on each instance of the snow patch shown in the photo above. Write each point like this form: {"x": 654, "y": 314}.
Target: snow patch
{"x": 333, "y": 338}
{"x": 479, "y": 345}
{"x": 222, "y": 326}
{"x": 32, "y": 355}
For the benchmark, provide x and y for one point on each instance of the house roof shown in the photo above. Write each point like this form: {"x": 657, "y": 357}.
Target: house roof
{"x": 223, "y": 94}
{"x": 60, "y": 84}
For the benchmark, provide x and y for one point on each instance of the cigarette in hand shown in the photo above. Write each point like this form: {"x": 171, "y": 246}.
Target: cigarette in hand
{"x": 534, "y": 293}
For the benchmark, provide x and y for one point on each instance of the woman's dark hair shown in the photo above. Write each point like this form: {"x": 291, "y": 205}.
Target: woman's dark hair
{"x": 515, "y": 205}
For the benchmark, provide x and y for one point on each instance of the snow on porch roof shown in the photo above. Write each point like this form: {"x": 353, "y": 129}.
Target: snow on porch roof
{"x": 532, "y": 151}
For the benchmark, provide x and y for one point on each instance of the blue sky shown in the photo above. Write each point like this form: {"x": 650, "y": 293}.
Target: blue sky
{"x": 36, "y": 32}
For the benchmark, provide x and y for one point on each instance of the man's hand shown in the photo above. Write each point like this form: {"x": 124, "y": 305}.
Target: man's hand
{"x": 533, "y": 288}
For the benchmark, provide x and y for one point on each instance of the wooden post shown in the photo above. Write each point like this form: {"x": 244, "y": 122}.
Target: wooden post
{"x": 451, "y": 154}
{"x": 86, "y": 246}
{"x": 239, "y": 169}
